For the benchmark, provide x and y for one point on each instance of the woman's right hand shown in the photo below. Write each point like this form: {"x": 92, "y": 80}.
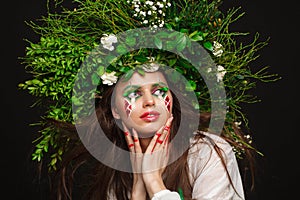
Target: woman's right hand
{"x": 136, "y": 156}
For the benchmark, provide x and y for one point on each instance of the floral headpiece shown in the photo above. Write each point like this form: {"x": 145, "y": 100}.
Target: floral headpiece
{"x": 67, "y": 37}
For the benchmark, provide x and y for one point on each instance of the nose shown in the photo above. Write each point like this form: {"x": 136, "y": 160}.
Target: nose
{"x": 148, "y": 99}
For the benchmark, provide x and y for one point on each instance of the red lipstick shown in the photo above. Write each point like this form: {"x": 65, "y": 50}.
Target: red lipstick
{"x": 150, "y": 116}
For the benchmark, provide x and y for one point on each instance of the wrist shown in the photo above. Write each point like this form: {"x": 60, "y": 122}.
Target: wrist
{"x": 138, "y": 195}
{"x": 138, "y": 191}
{"x": 154, "y": 187}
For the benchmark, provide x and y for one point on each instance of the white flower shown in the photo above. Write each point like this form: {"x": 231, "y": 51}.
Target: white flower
{"x": 151, "y": 59}
{"x": 145, "y": 21}
{"x": 217, "y": 49}
{"x": 160, "y": 5}
{"x": 221, "y": 73}
{"x": 209, "y": 70}
{"x": 108, "y": 40}
{"x": 169, "y": 4}
{"x": 237, "y": 124}
{"x": 150, "y": 67}
{"x": 154, "y": 8}
{"x": 143, "y": 13}
{"x": 109, "y": 78}
{"x": 149, "y": 12}
{"x": 149, "y": 3}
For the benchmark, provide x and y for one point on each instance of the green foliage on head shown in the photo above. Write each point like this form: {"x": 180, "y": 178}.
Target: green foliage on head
{"x": 68, "y": 35}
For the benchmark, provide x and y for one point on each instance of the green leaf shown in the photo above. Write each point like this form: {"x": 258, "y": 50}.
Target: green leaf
{"x": 208, "y": 45}
{"x": 141, "y": 72}
{"x": 124, "y": 69}
{"x": 172, "y": 62}
{"x": 128, "y": 75}
{"x": 140, "y": 58}
{"x": 157, "y": 42}
{"x": 184, "y": 30}
{"x": 197, "y": 38}
{"x": 168, "y": 26}
{"x": 193, "y": 34}
{"x": 162, "y": 34}
{"x": 95, "y": 79}
{"x": 131, "y": 41}
{"x": 181, "y": 43}
{"x": 121, "y": 49}
{"x": 239, "y": 76}
{"x": 100, "y": 70}
{"x": 53, "y": 161}
{"x": 171, "y": 45}
{"x": 28, "y": 82}
{"x": 191, "y": 86}
{"x": 179, "y": 70}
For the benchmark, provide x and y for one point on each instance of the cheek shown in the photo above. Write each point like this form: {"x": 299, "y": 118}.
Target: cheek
{"x": 129, "y": 106}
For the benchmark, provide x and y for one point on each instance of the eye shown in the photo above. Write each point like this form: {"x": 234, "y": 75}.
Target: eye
{"x": 134, "y": 95}
{"x": 160, "y": 92}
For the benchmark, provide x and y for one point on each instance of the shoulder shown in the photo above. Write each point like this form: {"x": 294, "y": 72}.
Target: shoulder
{"x": 208, "y": 144}
{"x": 212, "y": 162}
{"x": 210, "y": 152}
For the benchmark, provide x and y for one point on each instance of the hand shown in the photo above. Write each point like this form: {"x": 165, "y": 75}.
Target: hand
{"x": 136, "y": 156}
{"x": 148, "y": 167}
{"x": 155, "y": 160}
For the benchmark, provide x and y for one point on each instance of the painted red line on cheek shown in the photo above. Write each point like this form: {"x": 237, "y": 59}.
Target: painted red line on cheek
{"x": 126, "y": 107}
{"x": 168, "y": 103}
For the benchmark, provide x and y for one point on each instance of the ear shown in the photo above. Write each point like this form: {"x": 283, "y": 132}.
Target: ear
{"x": 115, "y": 113}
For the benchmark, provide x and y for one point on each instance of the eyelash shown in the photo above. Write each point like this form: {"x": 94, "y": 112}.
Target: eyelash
{"x": 134, "y": 94}
{"x": 137, "y": 93}
{"x": 161, "y": 92}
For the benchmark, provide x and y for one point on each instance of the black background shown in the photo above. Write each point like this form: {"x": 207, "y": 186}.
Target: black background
{"x": 273, "y": 121}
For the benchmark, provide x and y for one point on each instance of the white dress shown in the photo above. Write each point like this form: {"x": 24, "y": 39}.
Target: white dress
{"x": 208, "y": 176}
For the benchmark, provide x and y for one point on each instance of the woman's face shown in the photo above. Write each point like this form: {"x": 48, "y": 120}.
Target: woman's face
{"x": 143, "y": 102}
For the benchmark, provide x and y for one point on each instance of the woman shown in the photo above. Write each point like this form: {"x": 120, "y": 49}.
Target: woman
{"x": 142, "y": 115}
{"x": 170, "y": 150}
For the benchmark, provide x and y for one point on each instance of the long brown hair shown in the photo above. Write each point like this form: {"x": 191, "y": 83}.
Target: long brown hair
{"x": 95, "y": 180}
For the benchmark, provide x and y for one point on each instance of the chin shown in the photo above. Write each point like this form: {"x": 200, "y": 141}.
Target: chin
{"x": 148, "y": 131}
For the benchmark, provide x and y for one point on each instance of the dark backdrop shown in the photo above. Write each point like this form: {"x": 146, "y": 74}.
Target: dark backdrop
{"x": 273, "y": 121}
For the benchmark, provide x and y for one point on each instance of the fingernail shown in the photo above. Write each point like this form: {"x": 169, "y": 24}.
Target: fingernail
{"x": 126, "y": 133}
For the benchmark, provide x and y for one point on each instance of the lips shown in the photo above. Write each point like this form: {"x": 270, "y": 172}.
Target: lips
{"x": 150, "y": 116}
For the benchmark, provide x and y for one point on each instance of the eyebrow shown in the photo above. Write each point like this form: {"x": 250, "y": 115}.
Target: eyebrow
{"x": 131, "y": 88}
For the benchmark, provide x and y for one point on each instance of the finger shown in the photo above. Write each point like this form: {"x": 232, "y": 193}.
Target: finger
{"x": 161, "y": 134}
{"x": 137, "y": 145}
{"x": 153, "y": 142}
{"x": 165, "y": 132}
{"x": 128, "y": 138}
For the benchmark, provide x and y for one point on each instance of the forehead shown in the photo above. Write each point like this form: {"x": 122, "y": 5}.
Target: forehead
{"x": 147, "y": 79}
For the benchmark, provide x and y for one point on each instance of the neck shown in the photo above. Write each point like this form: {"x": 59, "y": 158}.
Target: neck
{"x": 145, "y": 143}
